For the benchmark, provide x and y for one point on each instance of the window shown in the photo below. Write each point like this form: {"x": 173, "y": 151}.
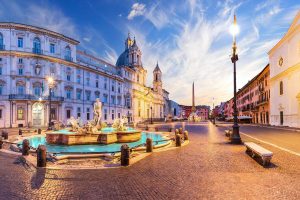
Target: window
{"x": 78, "y": 95}
{"x": 97, "y": 84}
{"x": 112, "y": 114}
{"x": 78, "y": 79}
{"x": 97, "y": 95}
{"x": 20, "y": 42}
{"x": 53, "y": 114}
{"x": 0, "y": 113}
{"x": 119, "y": 99}
{"x": 20, "y": 61}
{"x": 119, "y": 115}
{"x": 20, "y": 113}
{"x": 281, "y": 88}
{"x": 52, "y": 48}
{"x": 105, "y": 83}
{"x": 68, "y": 53}
{"x": 105, "y": 114}
{"x": 113, "y": 99}
{"x": 1, "y": 42}
{"x": 37, "y": 91}
{"x": 88, "y": 95}
{"x": 113, "y": 87}
{"x": 20, "y": 89}
{"x": 88, "y": 81}
{"x": 68, "y": 114}
{"x": 105, "y": 98}
{"x": 87, "y": 113}
{"x": 78, "y": 112}
{"x": 68, "y": 77}
{"x": 1, "y": 89}
{"x": 37, "y": 46}
{"x": 0, "y": 70}
{"x": 119, "y": 87}
{"x": 68, "y": 94}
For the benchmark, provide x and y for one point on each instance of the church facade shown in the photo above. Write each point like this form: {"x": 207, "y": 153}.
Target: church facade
{"x": 30, "y": 55}
{"x": 147, "y": 102}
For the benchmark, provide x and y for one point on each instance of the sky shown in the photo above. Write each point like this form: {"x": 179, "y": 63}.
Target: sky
{"x": 189, "y": 39}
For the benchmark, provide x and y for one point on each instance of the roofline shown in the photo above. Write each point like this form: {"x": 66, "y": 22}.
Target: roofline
{"x": 94, "y": 57}
{"x": 38, "y": 29}
{"x": 289, "y": 32}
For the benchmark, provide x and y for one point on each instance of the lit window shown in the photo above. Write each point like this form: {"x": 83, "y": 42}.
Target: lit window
{"x": 20, "y": 113}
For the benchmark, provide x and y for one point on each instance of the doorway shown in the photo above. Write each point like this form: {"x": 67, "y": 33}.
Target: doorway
{"x": 37, "y": 114}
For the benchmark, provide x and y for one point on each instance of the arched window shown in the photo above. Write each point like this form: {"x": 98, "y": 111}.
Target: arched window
{"x": 1, "y": 42}
{"x": 68, "y": 53}
{"x": 37, "y": 46}
{"x": 281, "y": 88}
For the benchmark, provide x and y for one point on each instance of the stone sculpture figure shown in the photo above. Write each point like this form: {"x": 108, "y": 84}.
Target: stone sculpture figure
{"x": 98, "y": 113}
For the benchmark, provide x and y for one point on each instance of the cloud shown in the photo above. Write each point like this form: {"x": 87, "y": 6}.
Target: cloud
{"x": 137, "y": 9}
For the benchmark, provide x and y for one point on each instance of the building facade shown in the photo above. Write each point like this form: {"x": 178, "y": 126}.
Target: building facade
{"x": 253, "y": 99}
{"x": 147, "y": 102}
{"x": 29, "y": 55}
{"x": 284, "y": 60}
{"x": 201, "y": 110}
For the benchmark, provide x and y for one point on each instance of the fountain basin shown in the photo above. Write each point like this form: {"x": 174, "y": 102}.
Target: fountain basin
{"x": 65, "y": 137}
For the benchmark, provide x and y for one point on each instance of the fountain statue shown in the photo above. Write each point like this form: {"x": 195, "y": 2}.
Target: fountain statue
{"x": 97, "y": 113}
{"x": 119, "y": 124}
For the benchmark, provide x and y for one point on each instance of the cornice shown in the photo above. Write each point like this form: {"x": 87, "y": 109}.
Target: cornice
{"x": 38, "y": 30}
{"x": 286, "y": 72}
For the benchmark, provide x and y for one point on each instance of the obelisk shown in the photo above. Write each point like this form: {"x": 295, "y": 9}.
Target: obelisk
{"x": 193, "y": 101}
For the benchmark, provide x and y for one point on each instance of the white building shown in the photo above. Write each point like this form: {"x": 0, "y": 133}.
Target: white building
{"x": 284, "y": 78}
{"x": 29, "y": 55}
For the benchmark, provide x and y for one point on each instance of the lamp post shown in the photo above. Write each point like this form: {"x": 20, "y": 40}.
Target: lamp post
{"x": 235, "y": 136}
{"x": 51, "y": 83}
{"x": 214, "y": 118}
{"x": 151, "y": 122}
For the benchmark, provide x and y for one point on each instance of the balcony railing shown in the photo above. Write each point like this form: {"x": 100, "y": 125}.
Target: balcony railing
{"x": 37, "y": 51}
{"x": 33, "y": 97}
{"x": 68, "y": 58}
{"x": 2, "y": 47}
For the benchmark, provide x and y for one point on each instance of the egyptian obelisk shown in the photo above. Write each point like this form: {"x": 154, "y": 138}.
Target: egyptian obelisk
{"x": 193, "y": 100}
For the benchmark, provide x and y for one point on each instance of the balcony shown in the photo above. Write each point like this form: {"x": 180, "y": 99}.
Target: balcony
{"x": 69, "y": 58}
{"x": 33, "y": 97}
{"x": 2, "y": 47}
{"x": 37, "y": 51}
{"x": 262, "y": 102}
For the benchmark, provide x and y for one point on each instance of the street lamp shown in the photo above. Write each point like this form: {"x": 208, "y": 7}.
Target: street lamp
{"x": 51, "y": 84}
{"x": 214, "y": 118}
{"x": 151, "y": 122}
{"x": 235, "y": 136}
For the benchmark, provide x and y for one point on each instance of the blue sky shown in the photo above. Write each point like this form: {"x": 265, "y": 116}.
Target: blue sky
{"x": 189, "y": 38}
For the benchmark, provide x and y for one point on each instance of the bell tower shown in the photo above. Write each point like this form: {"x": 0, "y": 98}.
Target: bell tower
{"x": 157, "y": 82}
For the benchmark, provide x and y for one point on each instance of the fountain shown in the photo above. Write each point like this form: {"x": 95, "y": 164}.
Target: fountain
{"x": 94, "y": 131}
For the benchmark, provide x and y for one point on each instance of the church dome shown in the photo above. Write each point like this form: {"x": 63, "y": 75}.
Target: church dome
{"x": 123, "y": 59}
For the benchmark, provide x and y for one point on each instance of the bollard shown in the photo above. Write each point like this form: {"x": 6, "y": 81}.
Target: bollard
{"x": 125, "y": 155}
{"x": 170, "y": 129}
{"x": 39, "y": 131}
{"x": 149, "y": 145}
{"x": 5, "y": 135}
{"x": 180, "y": 131}
{"x": 1, "y": 142}
{"x": 147, "y": 128}
{"x": 20, "y": 132}
{"x": 41, "y": 154}
{"x": 186, "y": 135}
{"x": 178, "y": 140}
{"x": 25, "y": 147}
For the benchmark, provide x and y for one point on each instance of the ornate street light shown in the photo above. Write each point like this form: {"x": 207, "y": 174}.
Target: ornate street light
{"x": 235, "y": 136}
{"x": 51, "y": 84}
{"x": 151, "y": 121}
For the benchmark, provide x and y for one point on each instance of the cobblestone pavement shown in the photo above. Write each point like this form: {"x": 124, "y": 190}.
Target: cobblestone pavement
{"x": 207, "y": 168}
